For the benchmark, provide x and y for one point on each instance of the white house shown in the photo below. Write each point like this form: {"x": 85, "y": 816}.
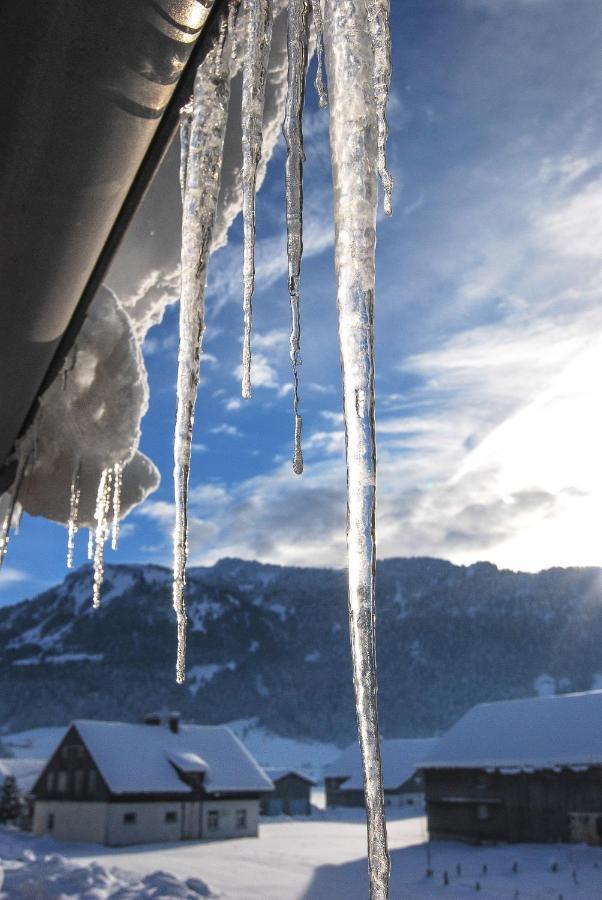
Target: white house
{"x": 402, "y": 781}
{"x": 117, "y": 783}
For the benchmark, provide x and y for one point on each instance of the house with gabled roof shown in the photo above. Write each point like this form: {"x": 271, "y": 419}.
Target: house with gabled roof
{"x": 519, "y": 770}
{"x": 402, "y": 780}
{"x": 292, "y": 793}
{"x": 118, "y": 783}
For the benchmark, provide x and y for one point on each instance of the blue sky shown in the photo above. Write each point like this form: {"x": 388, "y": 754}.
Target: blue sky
{"x": 488, "y": 322}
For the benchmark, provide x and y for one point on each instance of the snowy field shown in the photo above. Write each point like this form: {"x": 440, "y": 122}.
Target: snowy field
{"x": 322, "y": 858}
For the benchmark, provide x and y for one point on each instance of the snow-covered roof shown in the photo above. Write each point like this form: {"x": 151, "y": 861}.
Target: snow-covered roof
{"x": 140, "y": 758}
{"x": 26, "y": 771}
{"x": 276, "y": 773}
{"x": 186, "y": 761}
{"x": 537, "y": 733}
{"x": 400, "y": 760}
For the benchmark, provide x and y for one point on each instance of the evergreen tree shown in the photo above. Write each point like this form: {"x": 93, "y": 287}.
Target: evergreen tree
{"x": 10, "y": 800}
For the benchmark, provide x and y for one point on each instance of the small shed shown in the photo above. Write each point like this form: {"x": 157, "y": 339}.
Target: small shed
{"x": 291, "y": 795}
{"x": 519, "y": 770}
{"x": 402, "y": 779}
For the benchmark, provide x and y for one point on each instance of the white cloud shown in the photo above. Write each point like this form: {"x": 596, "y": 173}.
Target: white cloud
{"x": 12, "y": 576}
{"x": 224, "y": 428}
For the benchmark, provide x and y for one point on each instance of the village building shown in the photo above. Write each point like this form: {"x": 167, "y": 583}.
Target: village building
{"x": 291, "y": 795}
{"x": 402, "y": 779}
{"x": 520, "y": 770}
{"x": 117, "y": 783}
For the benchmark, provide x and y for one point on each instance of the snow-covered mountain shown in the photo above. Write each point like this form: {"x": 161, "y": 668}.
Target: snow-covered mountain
{"x": 271, "y": 642}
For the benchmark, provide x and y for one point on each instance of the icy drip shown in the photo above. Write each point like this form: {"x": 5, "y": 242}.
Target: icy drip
{"x": 316, "y": 12}
{"x": 257, "y": 50}
{"x": 73, "y": 526}
{"x": 354, "y": 146}
{"x": 90, "y": 543}
{"x": 378, "y": 21}
{"x": 101, "y": 516}
{"x": 10, "y": 510}
{"x": 200, "y": 186}
{"x": 297, "y": 38}
{"x": 117, "y": 485}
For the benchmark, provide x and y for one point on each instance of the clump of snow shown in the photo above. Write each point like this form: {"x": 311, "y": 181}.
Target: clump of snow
{"x": 90, "y": 418}
{"x": 50, "y": 875}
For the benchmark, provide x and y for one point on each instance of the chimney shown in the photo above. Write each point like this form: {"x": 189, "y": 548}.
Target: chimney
{"x": 174, "y": 722}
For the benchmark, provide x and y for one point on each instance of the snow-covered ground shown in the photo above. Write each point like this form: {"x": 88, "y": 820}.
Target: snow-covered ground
{"x": 36, "y": 743}
{"x": 320, "y": 858}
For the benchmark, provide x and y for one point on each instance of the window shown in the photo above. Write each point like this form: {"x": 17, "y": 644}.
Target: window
{"x": 50, "y": 782}
{"x": 482, "y": 812}
{"x": 50, "y": 822}
{"x": 212, "y": 820}
{"x": 241, "y": 818}
{"x": 62, "y": 782}
{"x": 78, "y": 782}
{"x": 91, "y": 781}
{"x": 129, "y": 818}
{"x": 171, "y": 816}
{"x": 64, "y": 752}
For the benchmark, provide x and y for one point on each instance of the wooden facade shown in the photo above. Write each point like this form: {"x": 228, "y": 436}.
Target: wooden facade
{"x": 485, "y": 805}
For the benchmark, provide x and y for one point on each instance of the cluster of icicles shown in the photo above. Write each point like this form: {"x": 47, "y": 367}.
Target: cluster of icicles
{"x": 355, "y": 44}
{"x": 107, "y": 515}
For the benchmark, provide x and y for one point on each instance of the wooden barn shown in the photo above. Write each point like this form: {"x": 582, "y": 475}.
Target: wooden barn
{"x": 117, "y": 783}
{"x": 291, "y": 795}
{"x": 520, "y": 770}
{"x": 401, "y": 776}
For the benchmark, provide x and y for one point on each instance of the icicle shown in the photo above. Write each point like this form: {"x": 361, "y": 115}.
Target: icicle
{"x": 90, "y": 543}
{"x": 6, "y": 509}
{"x": 17, "y": 516}
{"x": 297, "y": 66}
{"x": 378, "y": 21}
{"x": 185, "y": 123}
{"x": 259, "y": 37}
{"x": 316, "y": 12}
{"x": 117, "y": 484}
{"x": 354, "y": 147}
{"x": 200, "y": 189}
{"x": 10, "y": 510}
{"x": 73, "y": 526}
{"x": 101, "y": 515}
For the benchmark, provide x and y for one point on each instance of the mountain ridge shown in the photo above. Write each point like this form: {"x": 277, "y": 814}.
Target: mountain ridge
{"x": 270, "y": 642}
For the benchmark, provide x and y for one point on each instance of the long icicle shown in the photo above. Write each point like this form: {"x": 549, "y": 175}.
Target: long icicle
{"x": 73, "y": 526}
{"x": 316, "y": 12}
{"x": 202, "y": 174}
{"x": 297, "y": 38}
{"x": 255, "y": 63}
{"x": 380, "y": 34}
{"x": 117, "y": 485}
{"x": 101, "y": 515}
{"x": 354, "y": 147}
